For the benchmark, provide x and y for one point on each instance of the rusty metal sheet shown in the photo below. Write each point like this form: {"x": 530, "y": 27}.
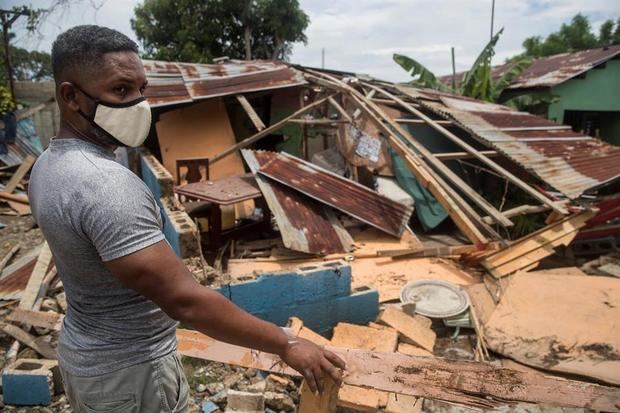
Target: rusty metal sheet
{"x": 305, "y": 224}
{"x": 567, "y": 161}
{"x": 175, "y": 82}
{"x": 340, "y": 193}
{"x": 551, "y": 70}
{"x": 226, "y": 191}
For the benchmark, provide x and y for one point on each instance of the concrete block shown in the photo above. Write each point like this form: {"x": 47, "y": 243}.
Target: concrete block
{"x": 310, "y": 284}
{"x": 179, "y": 229}
{"x": 157, "y": 178}
{"x": 240, "y": 401}
{"x": 31, "y": 382}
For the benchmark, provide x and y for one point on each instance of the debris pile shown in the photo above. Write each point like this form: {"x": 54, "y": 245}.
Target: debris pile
{"x": 457, "y": 254}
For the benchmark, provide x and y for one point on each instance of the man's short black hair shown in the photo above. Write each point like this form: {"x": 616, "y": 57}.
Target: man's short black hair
{"x": 82, "y": 47}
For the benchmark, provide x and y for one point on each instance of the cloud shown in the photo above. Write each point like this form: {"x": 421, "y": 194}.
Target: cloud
{"x": 361, "y": 35}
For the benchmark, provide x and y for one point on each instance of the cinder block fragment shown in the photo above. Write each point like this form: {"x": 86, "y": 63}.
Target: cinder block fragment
{"x": 240, "y": 401}
{"x": 31, "y": 382}
{"x": 157, "y": 178}
{"x": 179, "y": 229}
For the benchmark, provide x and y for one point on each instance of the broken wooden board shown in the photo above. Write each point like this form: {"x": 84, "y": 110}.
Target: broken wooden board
{"x": 362, "y": 399}
{"x": 19, "y": 174}
{"x": 297, "y": 327}
{"x": 464, "y": 382}
{"x": 37, "y": 344}
{"x": 305, "y": 224}
{"x": 362, "y": 337}
{"x": 410, "y": 327}
{"x": 31, "y": 293}
{"x": 326, "y": 402}
{"x": 560, "y": 323}
{"x": 340, "y": 193}
{"x": 413, "y": 350}
{"x": 43, "y": 319}
{"x": 402, "y": 403}
{"x": 529, "y": 250}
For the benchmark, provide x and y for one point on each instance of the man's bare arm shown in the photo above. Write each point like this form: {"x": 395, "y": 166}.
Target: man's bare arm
{"x": 158, "y": 274}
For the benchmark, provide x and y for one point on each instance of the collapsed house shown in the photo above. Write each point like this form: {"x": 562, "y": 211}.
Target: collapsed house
{"x": 386, "y": 217}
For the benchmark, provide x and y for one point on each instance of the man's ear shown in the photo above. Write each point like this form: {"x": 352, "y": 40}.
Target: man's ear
{"x": 68, "y": 96}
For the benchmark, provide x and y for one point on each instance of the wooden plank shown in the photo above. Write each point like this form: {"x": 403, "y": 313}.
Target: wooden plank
{"x": 256, "y": 120}
{"x": 5, "y": 260}
{"x": 534, "y": 247}
{"x": 421, "y": 122}
{"x": 43, "y": 319}
{"x": 413, "y": 350}
{"x": 454, "y": 156}
{"x": 326, "y": 402}
{"x": 37, "y": 345}
{"x": 31, "y": 293}
{"x": 21, "y": 209}
{"x": 19, "y": 174}
{"x": 340, "y": 109}
{"x": 22, "y": 199}
{"x": 410, "y": 327}
{"x": 362, "y": 337}
{"x": 362, "y": 399}
{"x": 473, "y": 151}
{"x": 254, "y": 138}
{"x": 520, "y": 210}
{"x": 464, "y": 382}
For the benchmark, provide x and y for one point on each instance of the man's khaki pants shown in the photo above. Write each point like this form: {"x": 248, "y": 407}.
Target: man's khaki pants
{"x": 152, "y": 387}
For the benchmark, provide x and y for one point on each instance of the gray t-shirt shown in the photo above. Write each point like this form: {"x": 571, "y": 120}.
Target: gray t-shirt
{"x": 92, "y": 210}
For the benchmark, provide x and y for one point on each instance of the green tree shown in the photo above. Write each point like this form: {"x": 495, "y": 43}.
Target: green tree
{"x": 27, "y": 64}
{"x": 574, "y": 36}
{"x": 186, "y": 30}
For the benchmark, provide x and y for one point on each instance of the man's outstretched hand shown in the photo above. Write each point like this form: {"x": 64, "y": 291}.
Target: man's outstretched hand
{"x": 313, "y": 362}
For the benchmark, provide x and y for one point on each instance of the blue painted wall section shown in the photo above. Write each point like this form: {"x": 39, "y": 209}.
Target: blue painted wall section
{"x": 319, "y": 295}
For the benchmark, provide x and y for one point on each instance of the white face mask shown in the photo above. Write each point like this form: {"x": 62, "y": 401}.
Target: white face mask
{"x": 129, "y": 122}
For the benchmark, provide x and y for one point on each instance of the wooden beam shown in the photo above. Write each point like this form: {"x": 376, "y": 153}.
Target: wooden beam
{"x": 5, "y": 260}
{"x": 473, "y": 151}
{"x": 19, "y": 174}
{"x": 327, "y": 122}
{"x": 453, "y": 156}
{"x": 21, "y": 199}
{"x": 31, "y": 293}
{"x": 256, "y": 120}
{"x": 465, "y": 382}
{"x": 520, "y": 210}
{"x": 369, "y": 96}
{"x": 529, "y": 250}
{"x": 340, "y": 110}
{"x": 43, "y": 319}
{"x": 421, "y": 122}
{"x": 535, "y": 128}
{"x": 37, "y": 344}
{"x": 248, "y": 141}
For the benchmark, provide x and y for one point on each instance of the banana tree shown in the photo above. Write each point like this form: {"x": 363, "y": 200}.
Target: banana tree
{"x": 477, "y": 82}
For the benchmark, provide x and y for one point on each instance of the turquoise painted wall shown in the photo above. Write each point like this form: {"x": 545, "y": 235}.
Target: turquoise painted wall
{"x": 598, "y": 91}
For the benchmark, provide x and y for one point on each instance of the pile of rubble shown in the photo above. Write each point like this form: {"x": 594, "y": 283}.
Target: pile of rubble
{"x": 457, "y": 254}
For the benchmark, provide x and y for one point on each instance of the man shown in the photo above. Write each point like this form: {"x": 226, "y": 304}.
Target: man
{"x": 124, "y": 284}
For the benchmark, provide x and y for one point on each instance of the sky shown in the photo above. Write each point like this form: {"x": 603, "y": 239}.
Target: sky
{"x": 362, "y": 35}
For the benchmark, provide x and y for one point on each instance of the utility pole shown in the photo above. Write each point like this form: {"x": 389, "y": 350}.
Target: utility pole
{"x": 492, "y": 16}
{"x": 9, "y": 17}
{"x": 323, "y": 58}
{"x": 453, "y": 71}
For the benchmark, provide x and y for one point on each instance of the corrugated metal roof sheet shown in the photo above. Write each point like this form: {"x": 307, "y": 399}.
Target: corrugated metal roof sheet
{"x": 171, "y": 83}
{"x": 568, "y": 161}
{"x": 551, "y": 70}
{"x": 338, "y": 192}
{"x": 305, "y": 224}
{"x": 26, "y": 143}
